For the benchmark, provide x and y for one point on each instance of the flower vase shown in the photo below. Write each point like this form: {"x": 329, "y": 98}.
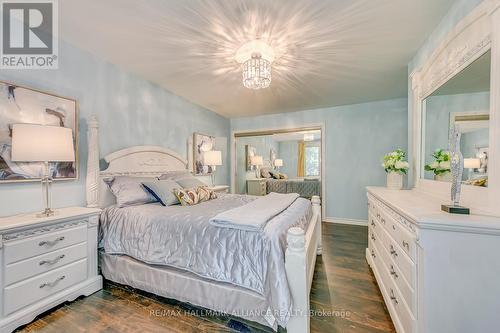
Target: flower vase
{"x": 394, "y": 180}
{"x": 443, "y": 177}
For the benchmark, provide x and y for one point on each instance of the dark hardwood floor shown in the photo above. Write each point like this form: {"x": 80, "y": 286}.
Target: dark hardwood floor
{"x": 344, "y": 298}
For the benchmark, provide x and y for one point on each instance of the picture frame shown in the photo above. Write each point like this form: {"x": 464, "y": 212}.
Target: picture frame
{"x": 202, "y": 143}
{"x": 250, "y": 151}
{"x": 19, "y": 104}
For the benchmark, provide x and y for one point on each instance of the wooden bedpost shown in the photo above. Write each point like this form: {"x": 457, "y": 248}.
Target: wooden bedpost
{"x": 92, "y": 181}
{"x": 300, "y": 259}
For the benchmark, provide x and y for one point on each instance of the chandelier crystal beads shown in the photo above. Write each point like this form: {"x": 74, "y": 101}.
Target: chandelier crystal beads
{"x": 256, "y": 72}
{"x": 255, "y": 58}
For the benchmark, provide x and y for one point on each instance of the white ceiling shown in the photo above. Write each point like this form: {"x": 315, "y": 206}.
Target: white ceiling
{"x": 330, "y": 52}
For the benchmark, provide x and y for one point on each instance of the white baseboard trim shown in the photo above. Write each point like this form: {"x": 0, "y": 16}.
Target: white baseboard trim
{"x": 341, "y": 220}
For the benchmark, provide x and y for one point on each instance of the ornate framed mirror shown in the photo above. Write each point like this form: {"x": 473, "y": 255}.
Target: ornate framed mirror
{"x": 459, "y": 85}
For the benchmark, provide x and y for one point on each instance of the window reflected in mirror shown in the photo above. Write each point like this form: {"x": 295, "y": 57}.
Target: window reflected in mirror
{"x": 463, "y": 101}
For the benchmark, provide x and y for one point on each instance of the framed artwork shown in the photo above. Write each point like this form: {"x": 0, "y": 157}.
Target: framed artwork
{"x": 24, "y": 105}
{"x": 272, "y": 157}
{"x": 250, "y": 151}
{"x": 201, "y": 144}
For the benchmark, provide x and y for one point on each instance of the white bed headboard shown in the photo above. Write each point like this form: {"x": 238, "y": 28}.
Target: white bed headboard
{"x": 138, "y": 161}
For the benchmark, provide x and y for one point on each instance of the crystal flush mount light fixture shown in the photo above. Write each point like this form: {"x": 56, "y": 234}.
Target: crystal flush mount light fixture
{"x": 256, "y": 58}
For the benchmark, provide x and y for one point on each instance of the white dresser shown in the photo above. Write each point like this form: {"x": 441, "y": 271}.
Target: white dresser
{"x": 46, "y": 261}
{"x": 438, "y": 272}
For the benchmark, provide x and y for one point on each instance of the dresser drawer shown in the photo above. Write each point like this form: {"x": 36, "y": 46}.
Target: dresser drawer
{"x": 34, "y": 289}
{"x": 395, "y": 273}
{"x": 405, "y": 265}
{"x": 40, "y": 264}
{"x": 400, "y": 313}
{"x": 404, "y": 238}
{"x": 33, "y": 246}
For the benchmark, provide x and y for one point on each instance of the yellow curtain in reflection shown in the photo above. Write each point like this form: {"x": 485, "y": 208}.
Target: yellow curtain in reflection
{"x": 301, "y": 162}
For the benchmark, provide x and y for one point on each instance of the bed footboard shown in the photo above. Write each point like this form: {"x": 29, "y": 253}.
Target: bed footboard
{"x": 300, "y": 259}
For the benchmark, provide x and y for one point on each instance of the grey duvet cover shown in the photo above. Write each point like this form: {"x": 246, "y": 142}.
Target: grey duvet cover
{"x": 182, "y": 237}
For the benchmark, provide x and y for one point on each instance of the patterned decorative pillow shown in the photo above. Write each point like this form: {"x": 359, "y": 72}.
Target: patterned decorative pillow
{"x": 189, "y": 197}
{"x": 275, "y": 174}
{"x": 283, "y": 176}
{"x": 264, "y": 173}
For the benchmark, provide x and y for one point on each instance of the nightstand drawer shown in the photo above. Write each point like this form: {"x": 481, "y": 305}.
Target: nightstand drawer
{"x": 17, "y": 250}
{"x": 40, "y": 264}
{"x": 29, "y": 291}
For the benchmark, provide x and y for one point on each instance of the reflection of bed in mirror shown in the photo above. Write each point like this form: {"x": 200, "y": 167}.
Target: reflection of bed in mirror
{"x": 306, "y": 188}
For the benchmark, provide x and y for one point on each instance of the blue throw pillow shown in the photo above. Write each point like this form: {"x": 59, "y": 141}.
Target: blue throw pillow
{"x": 162, "y": 190}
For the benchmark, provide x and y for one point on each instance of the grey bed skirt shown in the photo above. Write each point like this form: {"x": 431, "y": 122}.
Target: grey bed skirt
{"x": 187, "y": 287}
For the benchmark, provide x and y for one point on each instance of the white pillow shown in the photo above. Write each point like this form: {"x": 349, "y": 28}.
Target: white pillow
{"x": 163, "y": 191}
{"x": 129, "y": 190}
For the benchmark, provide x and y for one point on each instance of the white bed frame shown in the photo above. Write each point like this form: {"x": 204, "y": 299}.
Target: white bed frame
{"x": 302, "y": 245}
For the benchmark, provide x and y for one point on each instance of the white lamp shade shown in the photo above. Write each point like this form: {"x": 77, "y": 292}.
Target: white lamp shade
{"x": 278, "y": 162}
{"x": 212, "y": 157}
{"x": 256, "y": 160}
{"x": 40, "y": 143}
{"x": 472, "y": 163}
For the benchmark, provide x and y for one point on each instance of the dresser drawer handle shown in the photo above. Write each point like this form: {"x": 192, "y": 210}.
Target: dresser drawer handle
{"x": 373, "y": 223}
{"x": 406, "y": 244}
{"x": 53, "y": 283}
{"x": 393, "y": 272}
{"x": 393, "y": 297}
{"x": 383, "y": 221}
{"x": 393, "y": 252}
{"x": 373, "y": 254}
{"x": 373, "y": 237}
{"x": 51, "y": 243}
{"x": 53, "y": 261}
{"x": 393, "y": 227}
{"x": 378, "y": 215}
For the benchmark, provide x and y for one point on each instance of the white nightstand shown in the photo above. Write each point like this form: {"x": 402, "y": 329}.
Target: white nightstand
{"x": 46, "y": 261}
{"x": 257, "y": 186}
{"x": 220, "y": 188}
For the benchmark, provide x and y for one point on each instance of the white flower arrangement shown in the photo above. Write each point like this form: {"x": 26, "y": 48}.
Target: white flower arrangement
{"x": 441, "y": 164}
{"x": 395, "y": 162}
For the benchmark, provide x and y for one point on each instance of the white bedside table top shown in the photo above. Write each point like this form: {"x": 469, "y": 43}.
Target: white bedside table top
{"x": 219, "y": 187}
{"x": 30, "y": 219}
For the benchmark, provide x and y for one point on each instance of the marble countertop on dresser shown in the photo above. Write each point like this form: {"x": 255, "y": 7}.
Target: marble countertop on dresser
{"x": 425, "y": 212}
{"x": 22, "y": 221}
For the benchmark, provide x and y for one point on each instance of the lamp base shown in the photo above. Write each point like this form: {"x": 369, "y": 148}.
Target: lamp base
{"x": 46, "y": 213}
{"x": 452, "y": 209}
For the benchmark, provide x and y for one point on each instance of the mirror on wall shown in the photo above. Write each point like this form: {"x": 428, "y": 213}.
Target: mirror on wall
{"x": 278, "y": 161}
{"x": 463, "y": 101}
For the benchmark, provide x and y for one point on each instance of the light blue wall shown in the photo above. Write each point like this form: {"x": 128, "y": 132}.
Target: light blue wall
{"x": 457, "y": 12}
{"x": 131, "y": 111}
{"x": 356, "y": 138}
{"x": 289, "y": 153}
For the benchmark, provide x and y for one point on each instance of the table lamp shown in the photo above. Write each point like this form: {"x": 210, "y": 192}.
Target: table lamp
{"x": 212, "y": 158}
{"x": 41, "y": 143}
{"x": 278, "y": 163}
{"x": 257, "y": 161}
{"x": 471, "y": 163}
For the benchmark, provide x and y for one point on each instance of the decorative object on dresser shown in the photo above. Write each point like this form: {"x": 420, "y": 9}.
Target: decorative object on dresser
{"x": 395, "y": 166}
{"x": 432, "y": 267}
{"x": 212, "y": 158}
{"x": 256, "y": 186}
{"x": 23, "y": 105}
{"x": 202, "y": 143}
{"x": 45, "y": 262}
{"x": 457, "y": 169}
{"x": 38, "y": 143}
{"x": 250, "y": 152}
